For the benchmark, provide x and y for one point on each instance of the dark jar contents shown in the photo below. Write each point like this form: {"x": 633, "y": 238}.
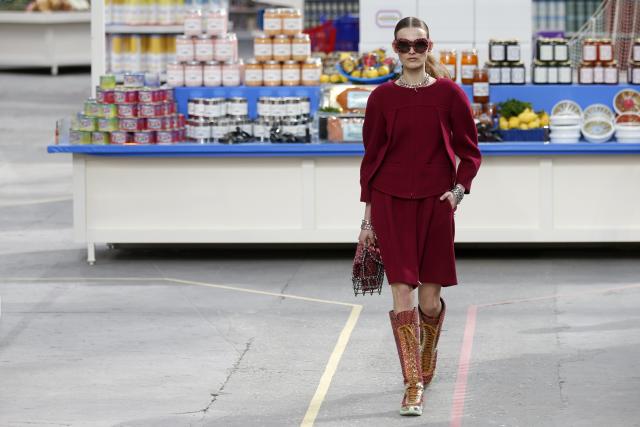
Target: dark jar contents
{"x": 481, "y": 85}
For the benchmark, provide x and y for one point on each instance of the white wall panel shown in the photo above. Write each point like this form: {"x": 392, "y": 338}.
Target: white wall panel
{"x": 448, "y": 20}
{"x": 378, "y": 18}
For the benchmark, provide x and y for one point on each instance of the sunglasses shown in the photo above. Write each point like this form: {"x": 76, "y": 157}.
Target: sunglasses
{"x": 418, "y": 45}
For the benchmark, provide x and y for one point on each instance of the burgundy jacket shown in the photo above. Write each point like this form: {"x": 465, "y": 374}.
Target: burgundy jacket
{"x": 444, "y": 106}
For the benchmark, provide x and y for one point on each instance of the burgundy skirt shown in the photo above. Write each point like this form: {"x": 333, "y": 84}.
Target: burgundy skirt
{"x": 415, "y": 237}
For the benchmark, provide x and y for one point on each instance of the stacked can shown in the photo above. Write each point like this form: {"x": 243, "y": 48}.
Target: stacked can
{"x": 211, "y": 119}
{"x": 129, "y": 113}
{"x": 291, "y": 114}
{"x": 206, "y": 54}
{"x": 282, "y": 54}
{"x": 136, "y": 53}
{"x": 144, "y": 12}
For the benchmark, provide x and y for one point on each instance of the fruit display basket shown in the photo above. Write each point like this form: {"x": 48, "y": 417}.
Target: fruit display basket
{"x": 529, "y": 135}
{"x": 362, "y": 80}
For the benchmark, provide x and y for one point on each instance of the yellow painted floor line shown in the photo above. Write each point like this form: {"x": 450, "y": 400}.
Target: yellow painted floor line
{"x": 330, "y": 369}
{"x": 334, "y": 360}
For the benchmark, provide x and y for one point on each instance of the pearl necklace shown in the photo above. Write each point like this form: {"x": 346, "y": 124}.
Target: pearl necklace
{"x": 414, "y": 86}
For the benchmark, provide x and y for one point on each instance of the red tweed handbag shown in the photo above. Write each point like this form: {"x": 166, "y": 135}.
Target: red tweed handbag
{"x": 368, "y": 270}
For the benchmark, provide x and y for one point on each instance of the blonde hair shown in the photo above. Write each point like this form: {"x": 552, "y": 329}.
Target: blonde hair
{"x": 432, "y": 66}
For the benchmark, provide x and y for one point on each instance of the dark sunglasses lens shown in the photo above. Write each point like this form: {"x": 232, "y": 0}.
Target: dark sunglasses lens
{"x": 403, "y": 46}
{"x": 421, "y": 46}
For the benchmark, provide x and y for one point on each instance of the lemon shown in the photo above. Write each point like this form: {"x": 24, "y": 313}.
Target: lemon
{"x": 534, "y": 124}
{"x": 544, "y": 119}
{"x": 514, "y": 122}
{"x": 523, "y": 126}
{"x": 344, "y": 79}
{"x": 356, "y": 73}
{"x": 383, "y": 70}
{"x": 504, "y": 123}
{"x": 325, "y": 78}
{"x": 370, "y": 73}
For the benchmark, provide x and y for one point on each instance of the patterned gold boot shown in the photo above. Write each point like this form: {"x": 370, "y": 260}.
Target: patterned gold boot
{"x": 430, "y": 328}
{"x": 406, "y": 330}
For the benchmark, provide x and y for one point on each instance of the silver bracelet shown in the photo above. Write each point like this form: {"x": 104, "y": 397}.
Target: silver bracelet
{"x": 458, "y": 193}
{"x": 366, "y": 225}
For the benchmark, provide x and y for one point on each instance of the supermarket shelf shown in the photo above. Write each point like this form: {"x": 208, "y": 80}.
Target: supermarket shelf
{"x": 46, "y": 18}
{"x": 329, "y": 149}
{"x": 546, "y": 96}
{"x": 144, "y": 29}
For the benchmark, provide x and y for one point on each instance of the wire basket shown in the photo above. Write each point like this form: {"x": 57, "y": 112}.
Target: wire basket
{"x": 368, "y": 270}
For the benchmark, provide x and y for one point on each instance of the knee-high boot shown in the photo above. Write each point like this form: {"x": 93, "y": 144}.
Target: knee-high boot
{"x": 430, "y": 328}
{"x": 406, "y": 330}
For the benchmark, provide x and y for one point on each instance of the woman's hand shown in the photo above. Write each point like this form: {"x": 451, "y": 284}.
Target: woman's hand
{"x": 367, "y": 237}
{"x": 450, "y": 198}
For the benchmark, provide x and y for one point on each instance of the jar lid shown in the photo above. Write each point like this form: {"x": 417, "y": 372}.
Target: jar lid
{"x": 262, "y": 36}
{"x": 193, "y": 62}
{"x": 212, "y": 63}
{"x": 252, "y": 61}
{"x": 237, "y": 99}
{"x": 605, "y": 40}
{"x": 291, "y": 62}
{"x": 204, "y": 37}
{"x": 272, "y": 62}
{"x": 302, "y": 36}
{"x": 312, "y": 60}
{"x": 282, "y": 37}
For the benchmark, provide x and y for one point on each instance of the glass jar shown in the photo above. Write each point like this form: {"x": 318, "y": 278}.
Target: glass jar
{"x": 311, "y": 72}
{"x": 272, "y": 73}
{"x": 552, "y": 73}
{"x": 505, "y": 73}
{"x": 605, "y": 50}
{"x": 281, "y": 48}
{"x": 635, "y": 51}
{"x": 589, "y": 50}
{"x": 214, "y": 107}
{"x": 560, "y": 50}
{"x": 291, "y": 21}
{"x": 598, "y": 73}
{"x": 237, "y": 106}
{"x": 513, "y": 50}
{"x": 634, "y": 73}
{"x": 291, "y": 73}
{"x": 497, "y": 50}
{"x": 193, "y": 23}
{"x": 545, "y": 49}
{"x": 540, "y": 74}
{"x": 468, "y": 63}
{"x": 494, "y": 73}
{"x": 611, "y": 75}
{"x": 300, "y": 47}
{"x": 225, "y": 48}
{"x": 216, "y": 22}
{"x": 448, "y": 58}
{"x": 262, "y": 48}
{"x": 518, "y": 74}
{"x": 565, "y": 73}
{"x": 185, "y": 51}
{"x": 193, "y": 74}
{"x": 585, "y": 75}
{"x": 272, "y": 22}
{"x": 253, "y": 73}
{"x": 481, "y": 85}
{"x": 175, "y": 74}
{"x": 212, "y": 72}
{"x": 204, "y": 48}
{"x": 231, "y": 73}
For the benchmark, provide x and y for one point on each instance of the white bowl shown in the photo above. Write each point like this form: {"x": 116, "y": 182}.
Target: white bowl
{"x": 565, "y": 131}
{"x": 564, "y": 140}
{"x": 598, "y": 111}
{"x": 597, "y": 131}
{"x": 566, "y": 106}
{"x": 564, "y": 120}
{"x": 627, "y": 131}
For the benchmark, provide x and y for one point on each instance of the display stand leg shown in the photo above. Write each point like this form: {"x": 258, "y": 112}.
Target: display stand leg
{"x": 91, "y": 253}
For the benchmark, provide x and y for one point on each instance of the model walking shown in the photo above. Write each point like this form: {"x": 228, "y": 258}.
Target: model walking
{"x": 413, "y": 129}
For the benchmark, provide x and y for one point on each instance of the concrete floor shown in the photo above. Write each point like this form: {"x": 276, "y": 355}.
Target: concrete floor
{"x": 202, "y": 337}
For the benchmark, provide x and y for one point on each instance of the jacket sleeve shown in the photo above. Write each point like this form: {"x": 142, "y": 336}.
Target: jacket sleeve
{"x": 464, "y": 138}
{"x": 374, "y": 134}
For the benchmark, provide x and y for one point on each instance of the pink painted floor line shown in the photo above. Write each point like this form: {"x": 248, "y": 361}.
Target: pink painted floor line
{"x": 463, "y": 367}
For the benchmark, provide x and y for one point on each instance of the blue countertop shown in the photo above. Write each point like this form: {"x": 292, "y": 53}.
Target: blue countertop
{"x": 329, "y": 149}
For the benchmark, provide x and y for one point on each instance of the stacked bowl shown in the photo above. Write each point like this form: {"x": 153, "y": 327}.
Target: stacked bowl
{"x": 598, "y": 123}
{"x": 564, "y": 123}
{"x": 628, "y": 128}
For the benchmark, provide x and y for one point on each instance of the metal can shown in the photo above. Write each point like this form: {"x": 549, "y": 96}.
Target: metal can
{"x": 108, "y": 81}
{"x": 215, "y": 107}
{"x": 264, "y": 106}
{"x": 109, "y": 110}
{"x": 133, "y": 79}
{"x": 193, "y": 74}
{"x": 132, "y": 124}
{"x": 144, "y": 137}
{"x": 127, "y": 110}
{"x": 105, "y": 96}
{"x": 87, "y": 123}
{"x": 156, "y": 123}
{"x": 148, "y": 95}
{"x": 219, "y": 128}
{"x": 237, "y": 106}
{"x": 195, "y": 107}
{"x": 305, "y": 105}
{"x": 167, "y": 136}
{"x": 100, "y": 138}
{"x": 121, "y": 137}
{"x": 199, "y": 130}
{"x": 92, "y": 108}
{"x": 125, "y": 96}
{"x": 279, "y": 107}
{"x": 292, "y": 106}
{"x": 107, "y": 125}
{"x": 168, "y": 108}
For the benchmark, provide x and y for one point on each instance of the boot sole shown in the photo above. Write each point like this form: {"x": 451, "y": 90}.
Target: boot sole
{"x": 411, "y": 411}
